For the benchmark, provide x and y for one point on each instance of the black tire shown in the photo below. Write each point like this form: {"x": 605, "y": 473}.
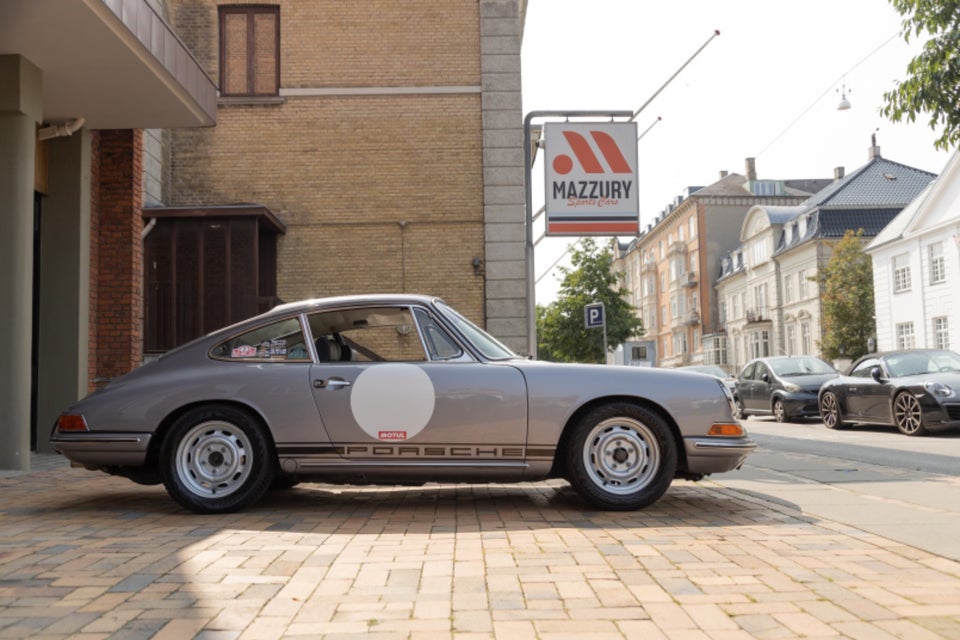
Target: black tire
{"x": 621, "y": 457}
{"x": 779, "y": 411}
{"x": 216, "y": 459}
{"x": 740, "y": 413}
{"x": 908, "y": 415}
{"x": 830, "y": 412}
{"x": 282, "y": 482}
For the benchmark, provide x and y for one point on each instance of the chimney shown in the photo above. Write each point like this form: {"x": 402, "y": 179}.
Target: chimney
{"x": 751, "y": 168}
{"x": 723, "y": 174}
{"x": 838, "y": 174}
{"x": 874, "y": 148}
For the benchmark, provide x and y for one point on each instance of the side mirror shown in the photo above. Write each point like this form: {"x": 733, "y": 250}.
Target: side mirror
{"x": 765, "y": 377}
{"x": 876, "y": 373}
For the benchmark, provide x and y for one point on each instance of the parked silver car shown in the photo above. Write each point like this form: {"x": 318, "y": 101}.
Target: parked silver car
{"x": 396, "y": 389}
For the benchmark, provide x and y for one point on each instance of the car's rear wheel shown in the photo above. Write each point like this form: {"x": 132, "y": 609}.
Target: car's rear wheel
{"x": 622, "y": 456}
{"x": 779, "y": 411}
{"x": 908, "y": 415}
{"x": 216, "y": 459}
{"x": 830, "y": 411}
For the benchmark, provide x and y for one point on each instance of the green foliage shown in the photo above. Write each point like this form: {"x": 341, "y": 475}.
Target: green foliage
{"x": 933, "y": 82}
{"x": 561, "y": 335}
{"x": 846, "y": 299}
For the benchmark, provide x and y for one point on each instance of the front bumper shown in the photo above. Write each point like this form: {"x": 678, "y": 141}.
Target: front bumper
{"x": 801, "y": 405}
{"x": 707, "y": 454}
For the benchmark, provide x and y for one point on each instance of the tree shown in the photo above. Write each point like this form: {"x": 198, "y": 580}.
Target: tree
{"x": 846, "y": 299}
{"x": 561, "y": 333}
{"x": 933, "y": 82}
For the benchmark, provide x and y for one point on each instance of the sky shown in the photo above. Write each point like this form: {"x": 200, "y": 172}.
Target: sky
{"x": 767, "y": 87}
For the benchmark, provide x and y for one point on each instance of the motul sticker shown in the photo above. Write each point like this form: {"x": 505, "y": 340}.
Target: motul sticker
{"x": 591, "y": 178}
{"x": 392, "y": 435}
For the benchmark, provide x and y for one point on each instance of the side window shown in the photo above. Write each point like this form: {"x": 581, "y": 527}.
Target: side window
{"x": 277, "y": 342}
{"x": 375, "y": 334}
{"x": 439, "y": 344}
{"x": 863, "y": 369}
{"x": 747, "y": 373}
{"x": 250, "y": 50}
{"x": 759, "y": 372}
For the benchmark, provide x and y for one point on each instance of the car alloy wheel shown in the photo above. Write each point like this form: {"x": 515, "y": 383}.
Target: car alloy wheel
{"x": 739, "y": 409}
{"x": 216, "y": 459}
{"x": 622, "y": 457}
{"x": 908, "y": 415}
{"x": 830, "y": 411}
{"x": 779, "y": 411}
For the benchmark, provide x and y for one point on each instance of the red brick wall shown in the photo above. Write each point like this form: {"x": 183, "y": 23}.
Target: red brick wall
{"x": 116, "y": 255}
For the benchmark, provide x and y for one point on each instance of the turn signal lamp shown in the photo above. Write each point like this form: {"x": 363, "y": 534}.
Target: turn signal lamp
{"x": 72, "y": 422}
{"x": 727, "y": 429}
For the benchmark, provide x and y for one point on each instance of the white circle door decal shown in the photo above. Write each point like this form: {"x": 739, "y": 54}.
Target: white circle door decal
{"x": 392, "y": 401}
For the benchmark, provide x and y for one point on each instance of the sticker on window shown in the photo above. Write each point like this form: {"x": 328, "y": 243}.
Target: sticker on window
{"x": 244, "y": 351}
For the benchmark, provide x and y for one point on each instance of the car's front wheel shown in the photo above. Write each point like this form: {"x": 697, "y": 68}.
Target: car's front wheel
{"x": 740, "y": 412}
{"x": 622, "y": 456}
{"x": 216, "y": 459}
{"x": 908, "y": 415}
{"x": 830, "y": 411}
{"x": 779, "y": 411}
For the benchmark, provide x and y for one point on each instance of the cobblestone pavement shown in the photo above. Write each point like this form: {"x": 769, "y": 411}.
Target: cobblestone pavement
{"x": 84, "y": 555}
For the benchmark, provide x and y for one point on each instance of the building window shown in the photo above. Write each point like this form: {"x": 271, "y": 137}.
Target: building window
{"x": 715, "y": 350}
{"x": 792, "y": 339}
{"x": 759, "y": 252}
{"x": 938, "y": 265}
{"x": 802, "y": 284}
{"x": 941, "y": 333}
{"x": 249, "y": 51}
{"x": 760, "y": 343}
{"x": 787, "y": 289}
{"x": 905, "y": 335}
{"x": 638, "y": 353}
{"x": 805, "y": 344}
{"x": 693, "y": 226}
{"x": 901, "y": 273}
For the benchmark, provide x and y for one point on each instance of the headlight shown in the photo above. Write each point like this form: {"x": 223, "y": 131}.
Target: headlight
{"x": 938, "y": 389}
{"x": 792, "y": 388}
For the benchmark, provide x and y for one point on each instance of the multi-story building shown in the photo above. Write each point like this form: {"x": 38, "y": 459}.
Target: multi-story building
{"x": 79, "y": 82}
{"x": 670, "y": 267}
{"x": 767, "y": 289}
{"x": 361, "y": 147}
{"x": 916, "y": 269}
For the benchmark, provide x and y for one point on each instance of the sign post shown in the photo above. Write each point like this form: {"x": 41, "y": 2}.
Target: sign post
{"x": 594, "y": 317}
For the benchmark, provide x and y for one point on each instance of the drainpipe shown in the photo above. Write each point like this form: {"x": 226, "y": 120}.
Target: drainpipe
{"x": 60, "y": 129}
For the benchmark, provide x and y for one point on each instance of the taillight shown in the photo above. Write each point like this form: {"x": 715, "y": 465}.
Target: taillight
{"x": 72, "y": 422}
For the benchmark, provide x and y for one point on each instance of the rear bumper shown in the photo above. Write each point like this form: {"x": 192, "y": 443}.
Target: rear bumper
{"x": 715, "y": 454}
{"x": 102, "y": 449}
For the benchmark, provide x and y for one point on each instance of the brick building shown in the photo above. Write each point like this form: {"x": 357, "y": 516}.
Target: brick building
{"x": 377, "y": 143}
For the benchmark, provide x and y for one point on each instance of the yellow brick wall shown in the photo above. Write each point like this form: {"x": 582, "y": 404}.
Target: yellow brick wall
{"x": 342, "y": 172}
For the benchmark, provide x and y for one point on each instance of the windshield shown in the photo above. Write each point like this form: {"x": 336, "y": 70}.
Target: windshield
{"x": 800, "y": 367}
{"x": 487, "y": 344}
{"x": 922, "y": 362}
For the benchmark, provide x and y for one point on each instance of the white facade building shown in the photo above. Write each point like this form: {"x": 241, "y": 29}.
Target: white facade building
{"x": 916, "y": 270}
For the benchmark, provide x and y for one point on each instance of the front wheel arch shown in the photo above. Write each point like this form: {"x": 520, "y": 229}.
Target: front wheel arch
{"x": 557, "y": 470}
{"x": 621, "y": 456}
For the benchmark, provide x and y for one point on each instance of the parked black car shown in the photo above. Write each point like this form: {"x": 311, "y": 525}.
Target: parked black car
{"x": 785, "y": 387}
{"x": 916, "y": 390}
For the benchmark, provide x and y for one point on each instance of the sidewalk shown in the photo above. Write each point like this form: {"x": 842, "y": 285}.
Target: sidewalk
{"x": 86, "y": 556}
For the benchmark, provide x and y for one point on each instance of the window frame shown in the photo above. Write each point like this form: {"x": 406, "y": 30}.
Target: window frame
{"x": 249, "y": 11}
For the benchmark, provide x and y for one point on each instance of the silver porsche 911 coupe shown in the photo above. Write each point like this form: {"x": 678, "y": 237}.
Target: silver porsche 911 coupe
{"x": 394, "y": 389}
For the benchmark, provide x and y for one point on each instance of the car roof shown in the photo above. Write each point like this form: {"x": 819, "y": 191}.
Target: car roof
{"x": 362, "y": 299}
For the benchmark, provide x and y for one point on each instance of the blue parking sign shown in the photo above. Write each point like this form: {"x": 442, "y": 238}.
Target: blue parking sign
{"x": 593, "y": 316}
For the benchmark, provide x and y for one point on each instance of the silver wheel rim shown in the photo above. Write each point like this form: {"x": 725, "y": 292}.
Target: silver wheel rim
{"x": 739, "y": 407}
{"x": 213, "y": 459}
{"x": 831, "y": 412}
{"x": 621, "y": 455}
{"x": 906, "y": 411}
{"x": 778, "y": 412}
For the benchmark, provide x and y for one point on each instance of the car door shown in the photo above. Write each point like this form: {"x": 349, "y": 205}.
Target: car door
{"x": 863, "y": 392}
{"x": 397, "y": 388}
{"x": 758, "y": 400}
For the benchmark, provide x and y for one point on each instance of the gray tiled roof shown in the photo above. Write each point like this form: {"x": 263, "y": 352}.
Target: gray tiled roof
{"x": 878, "y": 184}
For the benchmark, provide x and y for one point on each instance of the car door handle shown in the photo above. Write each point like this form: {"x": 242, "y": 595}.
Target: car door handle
{"x": 331, "y": 383}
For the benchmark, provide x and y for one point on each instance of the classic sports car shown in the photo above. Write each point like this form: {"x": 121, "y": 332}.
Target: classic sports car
{"x": 916, "y": 390}
{"x": 396, "y": 389}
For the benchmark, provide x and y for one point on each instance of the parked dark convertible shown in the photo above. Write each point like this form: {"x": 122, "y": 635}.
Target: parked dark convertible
{"x": 395, "y": 389}
{"x": 915, "y": 390}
